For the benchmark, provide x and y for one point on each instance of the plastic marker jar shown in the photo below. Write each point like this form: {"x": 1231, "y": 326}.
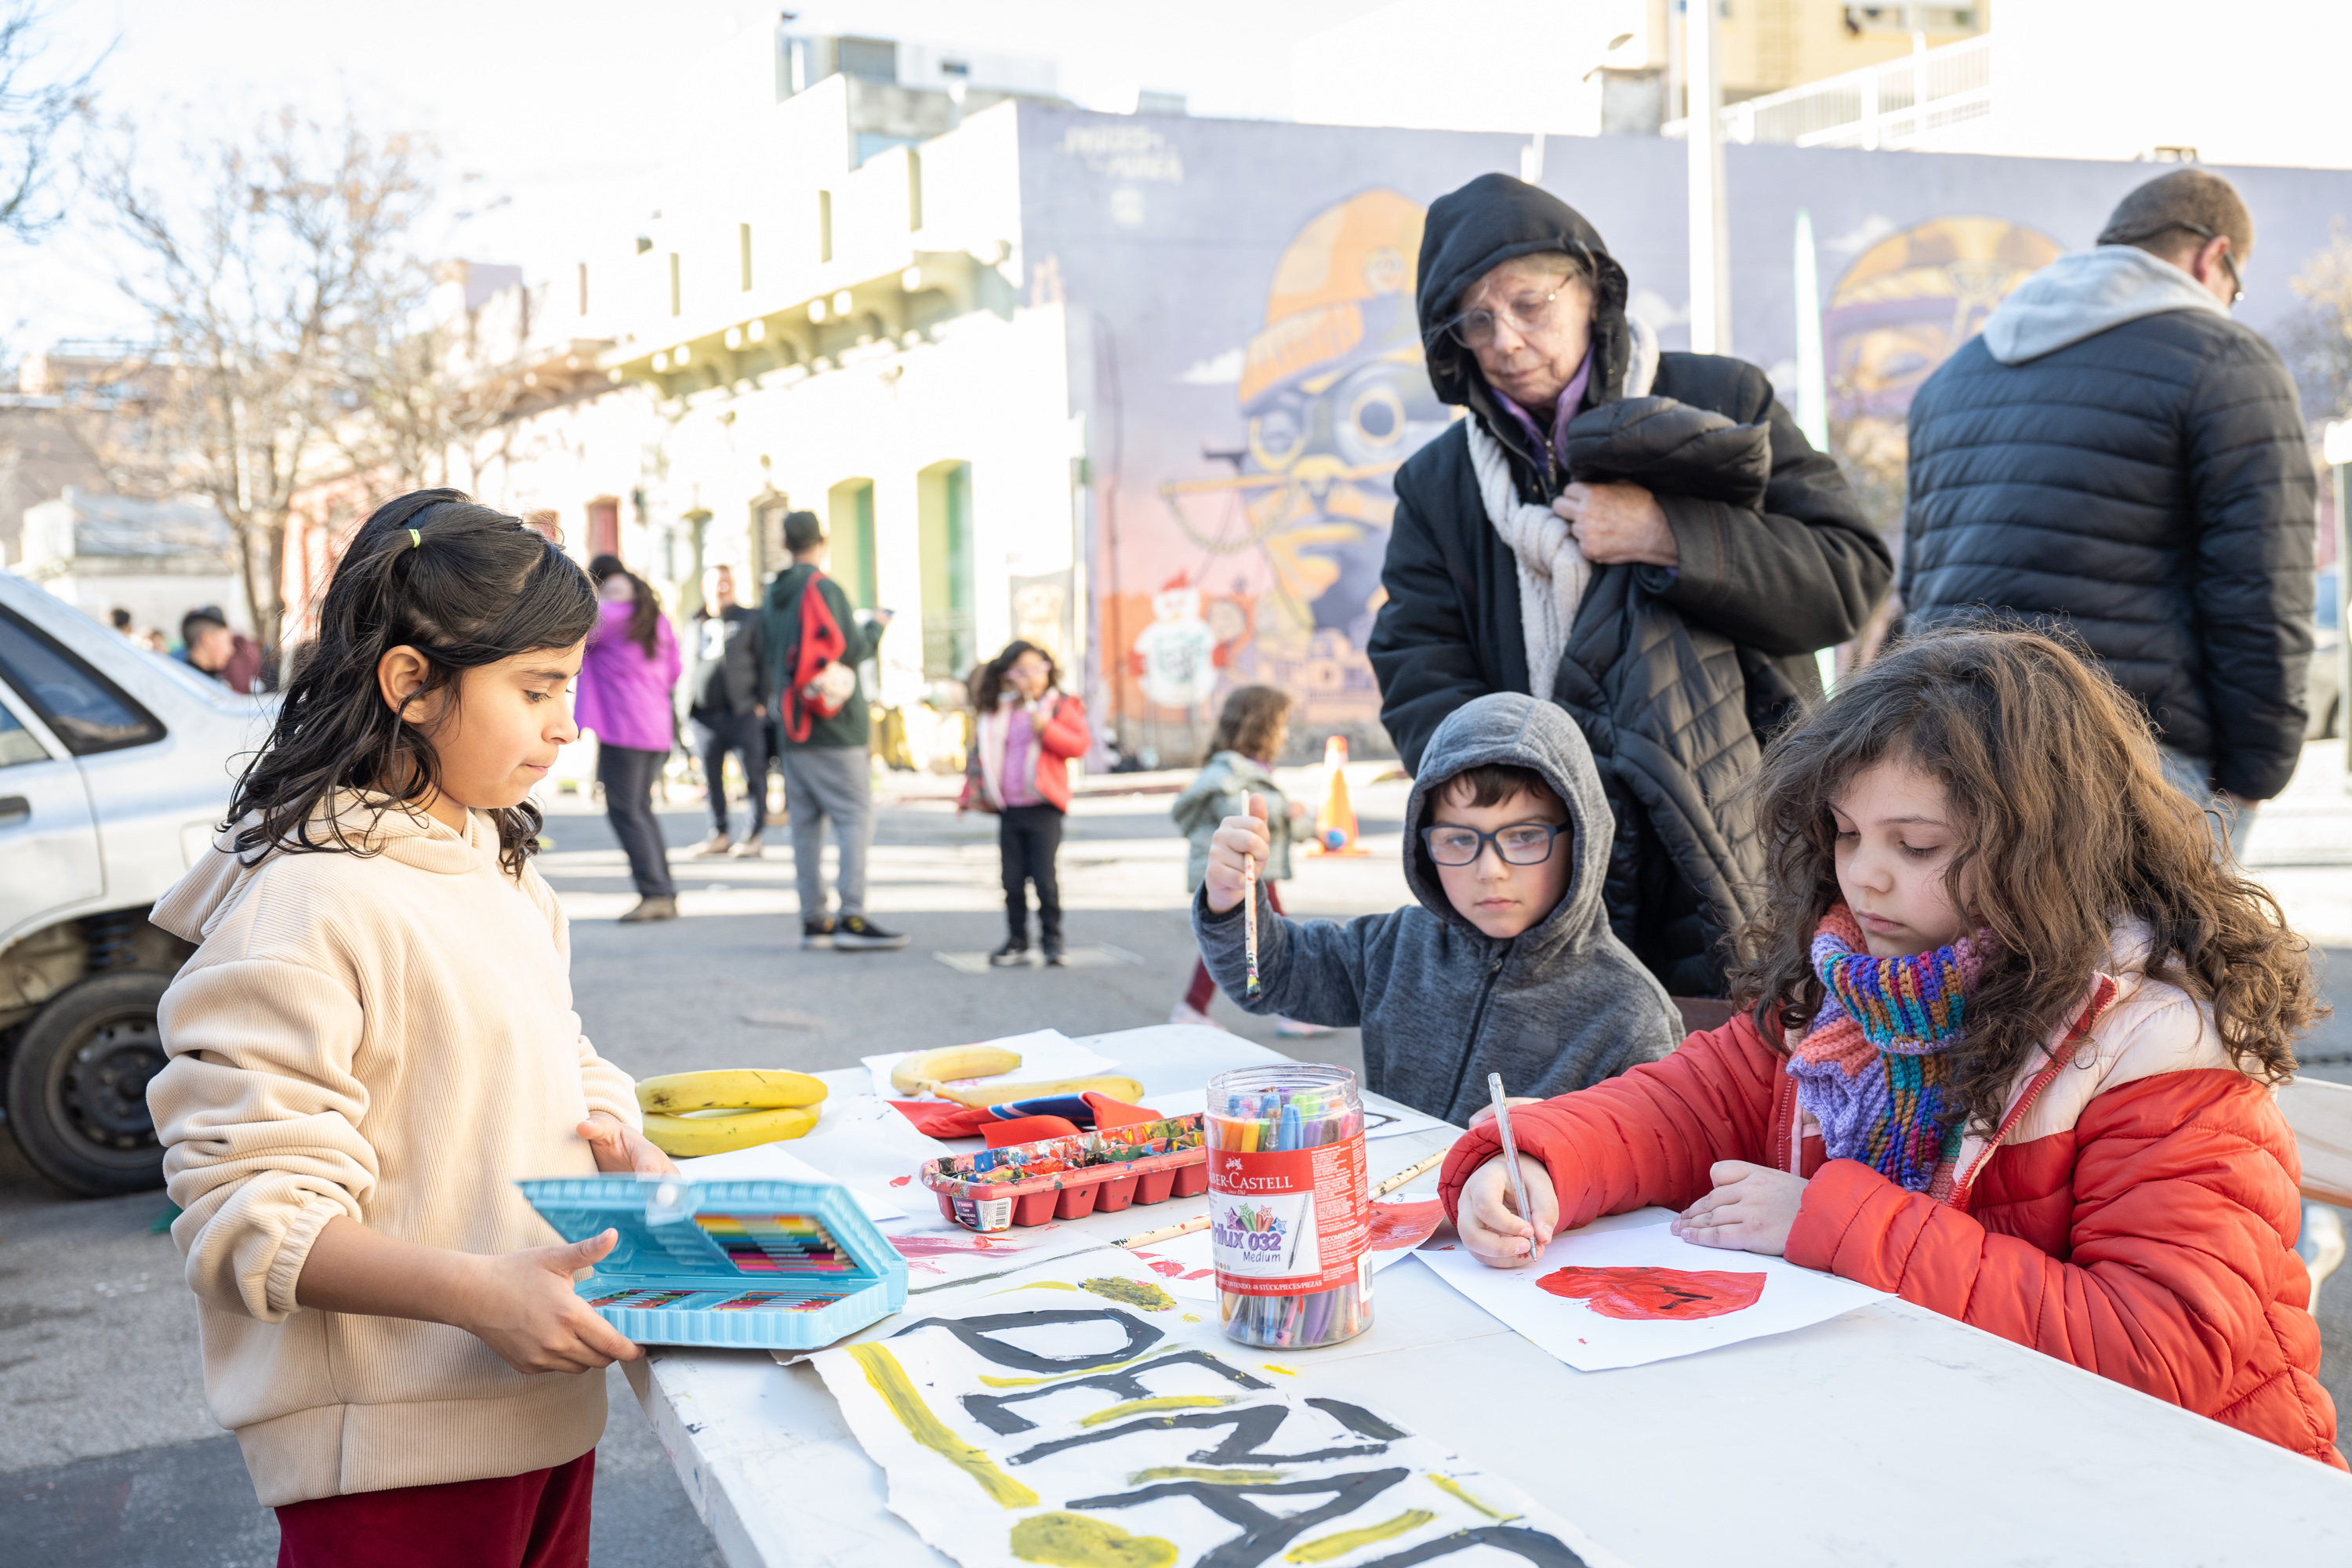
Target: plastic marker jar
{"x": 1289, "y": 1220}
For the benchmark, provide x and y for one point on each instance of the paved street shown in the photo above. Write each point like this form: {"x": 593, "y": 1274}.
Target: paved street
{"x": 106, "y": 1454}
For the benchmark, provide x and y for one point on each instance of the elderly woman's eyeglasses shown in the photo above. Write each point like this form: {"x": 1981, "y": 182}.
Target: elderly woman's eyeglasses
{"x": 1519, "y": 844}
{"x": 1528, "y": 314}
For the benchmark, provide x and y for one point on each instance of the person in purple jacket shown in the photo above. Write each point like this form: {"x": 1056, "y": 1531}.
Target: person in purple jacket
{"x": 625, "y": 696}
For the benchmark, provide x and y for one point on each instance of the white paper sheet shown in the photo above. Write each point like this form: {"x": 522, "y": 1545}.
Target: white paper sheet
{"x": 1380, "y": 1124}
{"x": 1045, "y": 1055}
{"x": 1592, "y": 1341}
{"x": 864, "y": 1142}
{"x": 1072, "y": 1430}
{"x": 776, "y": 1163}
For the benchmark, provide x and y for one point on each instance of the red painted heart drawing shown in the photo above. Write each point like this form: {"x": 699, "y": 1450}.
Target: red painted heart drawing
{"x": 1651, "y": 1294}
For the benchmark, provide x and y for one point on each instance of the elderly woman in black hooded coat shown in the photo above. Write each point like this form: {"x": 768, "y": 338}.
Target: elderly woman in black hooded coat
{"x": 1645, "y": 538}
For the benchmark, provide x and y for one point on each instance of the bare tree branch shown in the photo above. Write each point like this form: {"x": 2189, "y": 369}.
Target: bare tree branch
{"x": 34, "y": 108}
{"x": 2318, "y": 337}
{"x": 269, "y": 272}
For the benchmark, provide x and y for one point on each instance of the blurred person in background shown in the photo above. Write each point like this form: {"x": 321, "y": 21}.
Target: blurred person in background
{"x": 231, "y": 658}
{"x": 625, "y": 680}
{"x": 1025, "y": 733}
{"x": 2116, "y": 456}
{"x": 726, "y": 699}
{"x": 120, "y": 619}
{"x": 814, "y": 644}
{"x": 1252, "y": 726}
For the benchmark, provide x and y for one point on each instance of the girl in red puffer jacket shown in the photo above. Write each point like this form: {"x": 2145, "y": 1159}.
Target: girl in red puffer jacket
{"x": 2010, "y": 1035}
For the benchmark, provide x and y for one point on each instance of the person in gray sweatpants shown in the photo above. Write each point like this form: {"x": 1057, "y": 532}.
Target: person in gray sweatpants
{"x": 828, "y": 770}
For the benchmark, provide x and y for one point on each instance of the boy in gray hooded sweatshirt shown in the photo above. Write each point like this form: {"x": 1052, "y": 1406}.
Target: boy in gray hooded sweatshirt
{"x": 1507, "y": 964}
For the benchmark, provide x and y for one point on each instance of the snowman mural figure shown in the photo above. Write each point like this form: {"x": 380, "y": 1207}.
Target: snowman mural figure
{"x": 1176, "y": 656}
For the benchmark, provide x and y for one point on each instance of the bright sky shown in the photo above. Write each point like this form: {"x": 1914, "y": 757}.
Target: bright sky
{"x": 564, "y": 109}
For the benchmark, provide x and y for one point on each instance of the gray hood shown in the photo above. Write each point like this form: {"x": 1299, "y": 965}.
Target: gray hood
{"x": 2082, "y": 295}
{"x": 1513, "y": 728}
{"x": 1559, "y": 1007}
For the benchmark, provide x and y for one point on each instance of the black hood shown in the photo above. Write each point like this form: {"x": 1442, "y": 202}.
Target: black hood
{"x": 1477, "y": 229}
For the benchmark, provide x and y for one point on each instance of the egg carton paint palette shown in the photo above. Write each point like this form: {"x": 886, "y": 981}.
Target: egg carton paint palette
{"x": 1072, "y": 1177}
{"x": 768, "y": 1265}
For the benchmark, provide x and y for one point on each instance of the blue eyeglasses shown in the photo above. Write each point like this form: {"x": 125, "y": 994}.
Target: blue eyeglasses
{"x": 1517, "y": 843}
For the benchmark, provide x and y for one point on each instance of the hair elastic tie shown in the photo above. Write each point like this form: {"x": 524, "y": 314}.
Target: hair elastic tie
{"x": 416, "y": 540}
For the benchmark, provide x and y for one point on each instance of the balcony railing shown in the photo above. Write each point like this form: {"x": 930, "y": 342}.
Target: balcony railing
{"x": 1903, "y": 103}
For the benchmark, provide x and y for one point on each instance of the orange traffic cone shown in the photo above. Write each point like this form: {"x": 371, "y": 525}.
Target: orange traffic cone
{"x": 1335, "y": 825}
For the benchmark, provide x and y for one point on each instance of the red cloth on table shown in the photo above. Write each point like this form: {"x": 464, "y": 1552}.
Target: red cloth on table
{"x": 945, "y": 1118}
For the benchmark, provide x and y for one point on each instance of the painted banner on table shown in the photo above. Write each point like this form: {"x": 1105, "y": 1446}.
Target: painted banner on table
{"x": 1088, "y": 1438}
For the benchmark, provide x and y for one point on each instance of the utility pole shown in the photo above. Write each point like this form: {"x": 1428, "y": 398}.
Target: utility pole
{"x": 1710, "y": 242}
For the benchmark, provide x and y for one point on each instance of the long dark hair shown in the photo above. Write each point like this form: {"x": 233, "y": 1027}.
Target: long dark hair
{"x": 645, "y": 613}
{"x": 465, "y": 585}
{"x": 989, "y": 683}
{"x": 2066, "y": 828}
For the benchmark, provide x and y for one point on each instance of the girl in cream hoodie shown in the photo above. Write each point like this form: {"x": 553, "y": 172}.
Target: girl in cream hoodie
{"x": 373, "y": 1042}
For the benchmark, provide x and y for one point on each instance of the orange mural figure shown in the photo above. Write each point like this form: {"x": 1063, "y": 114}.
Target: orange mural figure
{"x": 1336, "y": 398}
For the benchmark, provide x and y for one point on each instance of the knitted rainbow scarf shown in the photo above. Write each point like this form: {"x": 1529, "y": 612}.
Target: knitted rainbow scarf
{"x": 1873, "y": 1070}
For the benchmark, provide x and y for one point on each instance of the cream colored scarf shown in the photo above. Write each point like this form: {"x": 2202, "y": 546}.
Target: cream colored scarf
{"x": 1553, "y": 571}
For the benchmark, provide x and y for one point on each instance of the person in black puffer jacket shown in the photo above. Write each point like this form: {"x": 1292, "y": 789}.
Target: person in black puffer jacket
{"x": 2115, "y": 455}
{"x": 1645, "y": 538}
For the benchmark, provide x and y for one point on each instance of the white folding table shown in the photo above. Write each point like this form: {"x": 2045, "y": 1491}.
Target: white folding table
{"x": 1890, "y": 1435}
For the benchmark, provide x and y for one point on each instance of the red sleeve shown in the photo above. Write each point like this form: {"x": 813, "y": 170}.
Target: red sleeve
{"x": 2184, "y": 1195}
{"x": 1065, "y": 734}
{"x": 1646, "y": 1136}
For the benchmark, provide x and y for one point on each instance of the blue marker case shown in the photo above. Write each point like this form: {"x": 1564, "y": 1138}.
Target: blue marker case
{"x": 761, "y": 1264}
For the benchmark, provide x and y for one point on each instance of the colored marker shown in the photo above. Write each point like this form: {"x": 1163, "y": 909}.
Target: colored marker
{"x": 1511, "y": 1163}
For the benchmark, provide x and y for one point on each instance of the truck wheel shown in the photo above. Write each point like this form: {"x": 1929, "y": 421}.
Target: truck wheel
{"x": 77, "y": 1085}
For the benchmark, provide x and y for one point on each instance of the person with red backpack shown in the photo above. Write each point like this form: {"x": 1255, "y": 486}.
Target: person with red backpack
{"x": 815, "y": 645}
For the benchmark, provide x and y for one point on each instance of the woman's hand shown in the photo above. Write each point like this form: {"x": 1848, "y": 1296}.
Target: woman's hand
{"x": 621, "y": 1147}
{"x": 1489, "y": 1222}
{"x": 1297, "y": 809}
{"x": 1617, "y": 523}
{"x": 1750, "y": 1210}
{"x": 521, "y": 1305}
{"x": 1238, "y": 839}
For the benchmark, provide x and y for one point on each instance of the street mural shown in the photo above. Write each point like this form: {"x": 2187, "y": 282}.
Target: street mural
{"x": 1902, "y": 309}
{"x": 1245, "y": 357}
{"x": 1332, "y": 398}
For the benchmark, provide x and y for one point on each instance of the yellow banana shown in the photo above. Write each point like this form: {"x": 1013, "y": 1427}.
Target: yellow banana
{"x": 1119, "y": 1088}
{"x": 734, "y": 1089}
{"x": 927, "y": 1069}
{"x": 685, "y": 1137}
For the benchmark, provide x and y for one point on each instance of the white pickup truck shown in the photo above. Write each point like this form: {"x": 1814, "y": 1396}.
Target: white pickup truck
{"x": 115, "y": 765}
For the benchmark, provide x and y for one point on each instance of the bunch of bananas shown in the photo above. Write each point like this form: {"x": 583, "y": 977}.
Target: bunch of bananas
{"x": 694, "y": 1113}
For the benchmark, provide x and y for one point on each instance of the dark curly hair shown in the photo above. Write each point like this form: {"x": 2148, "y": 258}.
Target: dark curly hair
{"x": 2066, "y": 828}
{"x": 463, "y": 584}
